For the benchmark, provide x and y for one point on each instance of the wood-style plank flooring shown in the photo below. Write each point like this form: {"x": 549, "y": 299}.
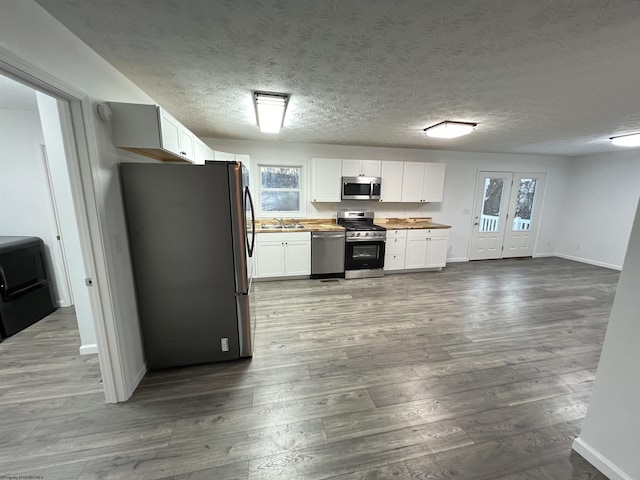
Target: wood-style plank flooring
{"x": 481, "y": 371}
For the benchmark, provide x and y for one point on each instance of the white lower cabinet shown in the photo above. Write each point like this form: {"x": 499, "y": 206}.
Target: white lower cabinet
{"x": 395, "y": 247}
{"x": 283, "y": 254}
{"x": 393, "y": 262}
{"x": 426, "y": 248}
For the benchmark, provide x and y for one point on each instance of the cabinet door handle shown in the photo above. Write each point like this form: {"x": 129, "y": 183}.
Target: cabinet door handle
{"x": 183, "y": 153}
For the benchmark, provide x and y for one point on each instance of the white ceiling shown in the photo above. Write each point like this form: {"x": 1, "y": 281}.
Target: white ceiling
{"x": 16, "y": 96}
{"x": 539, "y": 76}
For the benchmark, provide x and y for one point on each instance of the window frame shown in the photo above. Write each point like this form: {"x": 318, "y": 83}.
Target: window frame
{"x": 301, "y": 212}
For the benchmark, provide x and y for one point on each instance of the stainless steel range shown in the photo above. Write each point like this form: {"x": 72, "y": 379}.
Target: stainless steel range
{"x": 364, "y": 246}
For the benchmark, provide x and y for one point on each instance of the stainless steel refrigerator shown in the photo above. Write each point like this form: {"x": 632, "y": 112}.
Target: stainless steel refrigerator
{"x": 191, "y": 230}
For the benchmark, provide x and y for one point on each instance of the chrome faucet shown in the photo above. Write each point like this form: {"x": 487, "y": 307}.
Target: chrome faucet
{"x": 280, "y": 222}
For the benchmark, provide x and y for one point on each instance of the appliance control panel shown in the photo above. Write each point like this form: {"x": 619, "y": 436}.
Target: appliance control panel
{"x": 367, "y": 235}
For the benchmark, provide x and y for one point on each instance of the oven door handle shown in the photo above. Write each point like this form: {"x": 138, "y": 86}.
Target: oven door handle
{"x": 365, "y": 239}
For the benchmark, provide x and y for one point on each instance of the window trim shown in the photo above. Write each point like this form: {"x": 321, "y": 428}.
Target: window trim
{"x": 301, "y": 212}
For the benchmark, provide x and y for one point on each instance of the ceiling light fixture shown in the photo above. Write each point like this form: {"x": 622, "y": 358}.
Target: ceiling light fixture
{"x": 632, "y": 140}
{"x": 449, "y": 129}
{"x": 270, "y": 109}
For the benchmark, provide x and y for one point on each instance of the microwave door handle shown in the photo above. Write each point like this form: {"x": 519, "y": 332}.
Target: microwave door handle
{"x": 371, "y": 191}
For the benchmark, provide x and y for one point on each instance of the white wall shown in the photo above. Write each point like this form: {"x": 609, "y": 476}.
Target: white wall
{"x": 57, "y": 159}
{"x": 601, "y": 196}
{"x": 460, "y": 180}
{"x": 30, "y": 33}
{"x": 610, "y": 437}
{"x": 25, "y": 202}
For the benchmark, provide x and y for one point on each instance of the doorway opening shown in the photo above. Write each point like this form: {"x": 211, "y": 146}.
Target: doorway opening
{"x": 506, "y": 214}
{"x": 79, "y": 149}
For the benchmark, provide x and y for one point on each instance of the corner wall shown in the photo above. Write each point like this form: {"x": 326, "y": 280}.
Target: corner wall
{"x": 610, "y": 438}
{"x": 600, "y": 199}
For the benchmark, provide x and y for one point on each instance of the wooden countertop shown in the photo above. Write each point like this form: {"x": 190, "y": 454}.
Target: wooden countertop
{"x": 408, "y": 223}
{"x": 311, "y": 225}
{"x": 329, "y": 225}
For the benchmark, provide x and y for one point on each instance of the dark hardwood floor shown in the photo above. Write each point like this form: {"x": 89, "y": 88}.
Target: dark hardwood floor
{"x": 481, "y": 371}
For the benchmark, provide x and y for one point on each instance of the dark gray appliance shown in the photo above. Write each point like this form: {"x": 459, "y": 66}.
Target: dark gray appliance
{"x": 327, "y": 254}
{"x": 191, "y": 228}
{"x": 364, "y": 245}
{"x": 361, "y": 188}
{"x": 25, "y": 289}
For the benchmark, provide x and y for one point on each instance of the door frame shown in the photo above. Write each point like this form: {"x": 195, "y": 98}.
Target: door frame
{"x": 539, "y": 201}
{"x": 81, "y": 147}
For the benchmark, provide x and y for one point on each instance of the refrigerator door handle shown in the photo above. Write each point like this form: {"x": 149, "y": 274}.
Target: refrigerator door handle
{"x": 247, "y": 196}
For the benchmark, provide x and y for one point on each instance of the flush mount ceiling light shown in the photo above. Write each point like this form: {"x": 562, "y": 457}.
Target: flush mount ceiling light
{"x": 270, "y": 109}
{"x": 632, "y": 140}
{"x": 448, "y": 129}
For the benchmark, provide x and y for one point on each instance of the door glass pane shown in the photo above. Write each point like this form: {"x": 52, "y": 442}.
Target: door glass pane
{"x": 491, "y": 204}
{"x": 524, "y": 204}
{"x": 365, "y": 252}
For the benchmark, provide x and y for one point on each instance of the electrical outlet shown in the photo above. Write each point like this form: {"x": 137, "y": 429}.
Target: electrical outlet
{"x": 450, "y": 248}
{"x": 224, "y": 344}
{"x": 549, "y": 243}
{"x": 577, "y": 246}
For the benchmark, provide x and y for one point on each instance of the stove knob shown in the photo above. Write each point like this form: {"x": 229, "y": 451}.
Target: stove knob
{"x": 366, "y": 234}
{"x": 358, "y": 234}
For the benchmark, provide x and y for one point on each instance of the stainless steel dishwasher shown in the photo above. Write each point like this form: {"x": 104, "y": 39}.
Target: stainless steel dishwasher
{"x": 327, "y": 254}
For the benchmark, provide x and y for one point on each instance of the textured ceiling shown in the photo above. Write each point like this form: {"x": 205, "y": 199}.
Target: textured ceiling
{"x": 16, "y": 96}
{"x": 539, "y": 76}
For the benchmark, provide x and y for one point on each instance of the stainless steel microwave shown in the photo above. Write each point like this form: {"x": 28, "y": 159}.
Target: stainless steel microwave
{"x": 361, "y": 188}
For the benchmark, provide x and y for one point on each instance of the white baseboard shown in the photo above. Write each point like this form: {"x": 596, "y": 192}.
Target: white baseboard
{"x": 590, "y": 262}
{"x": 544, "y": 255}
{"x": 457, "y": 260}
{"x": 136, "y": 381}
{"x": 595, "y": 458}
{"x": 88, "y": 349}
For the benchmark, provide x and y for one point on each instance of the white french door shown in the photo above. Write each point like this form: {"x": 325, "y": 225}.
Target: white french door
{"x": 506, "y": 214}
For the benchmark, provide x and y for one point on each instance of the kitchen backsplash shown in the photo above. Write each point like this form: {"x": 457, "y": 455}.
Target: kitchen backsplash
{"x": 397, "y": 210}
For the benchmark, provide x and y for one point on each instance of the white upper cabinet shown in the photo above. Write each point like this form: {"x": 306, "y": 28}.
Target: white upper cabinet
{"x": 423, "y": 182}
{"x": 325, "y": 179}
{"x": 202, "y": 151}
{"x": 412, "y": 180}
{"x": 433, "y": 186}
{"x": 357, "y": 168}
{"x": 418, "y": 182}
{"x": 151, "y": 131}
{"x": 391, "y": 188}
{"x": 175, "y": 138}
